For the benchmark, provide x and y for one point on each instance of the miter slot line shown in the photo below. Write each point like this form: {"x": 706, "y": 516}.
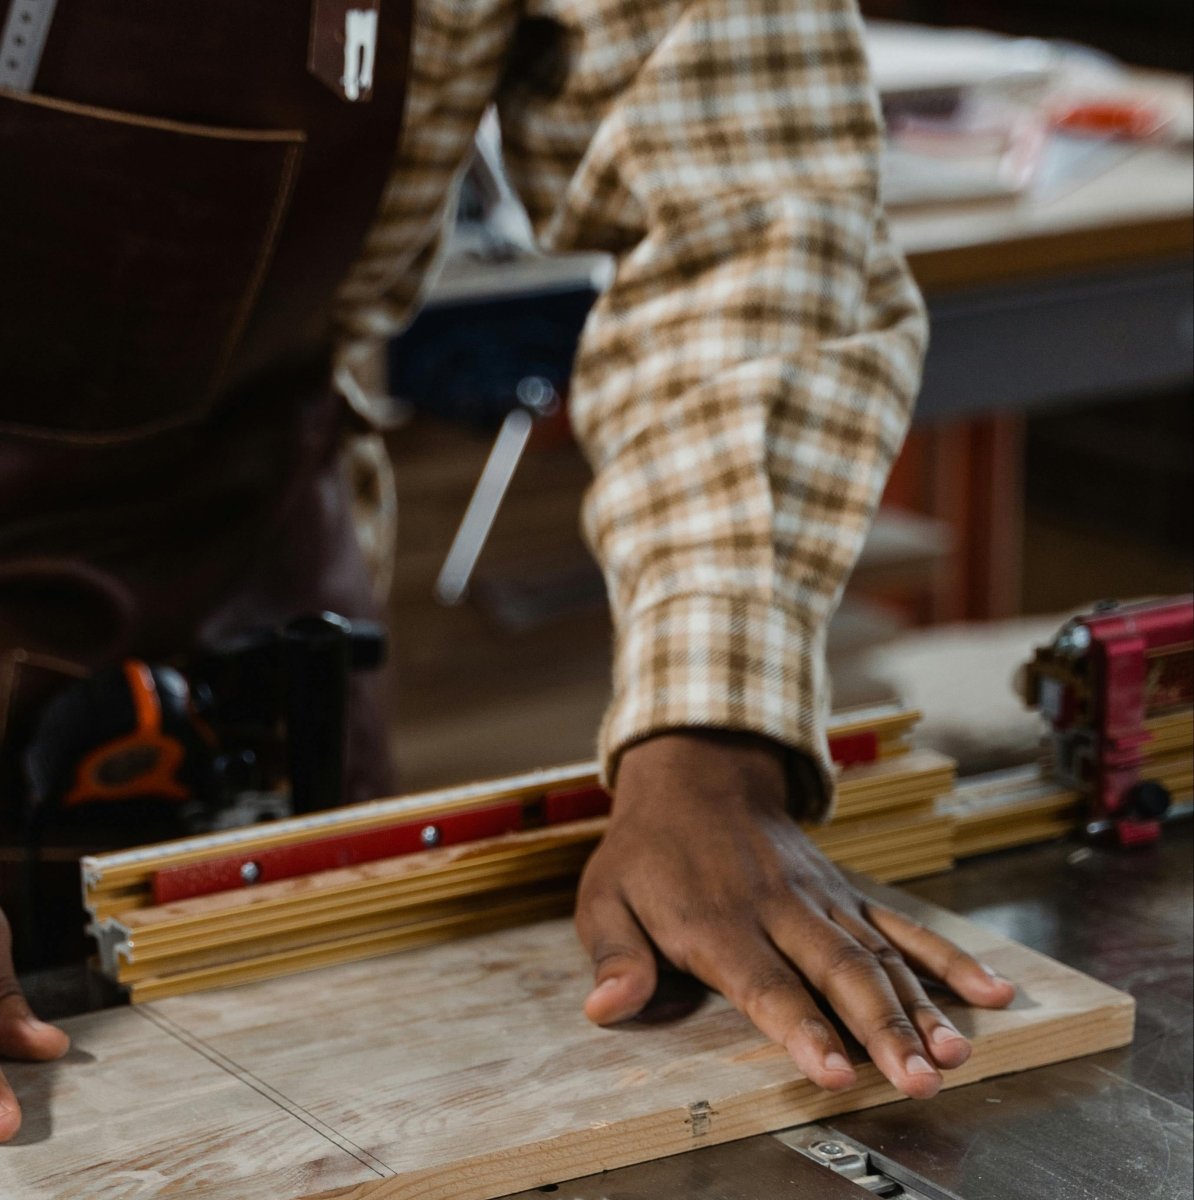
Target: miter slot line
{"x": 245, "y": 1076}
{"x": 852, "y": 1160}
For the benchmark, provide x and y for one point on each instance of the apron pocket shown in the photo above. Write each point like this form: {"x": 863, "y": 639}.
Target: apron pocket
{"x": 131, "y": 252}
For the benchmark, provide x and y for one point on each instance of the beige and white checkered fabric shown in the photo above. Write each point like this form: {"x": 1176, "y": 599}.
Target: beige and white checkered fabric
{"x": 743, "y": 386}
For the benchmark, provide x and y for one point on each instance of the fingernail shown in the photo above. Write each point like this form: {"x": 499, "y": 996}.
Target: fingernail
{"x": 915, "y": 1065}
{"x": 5, "y": 1107}
{"x": 945, "y": 1033}
{"x": 994, "y": 974}
{"x": 606, "y": 985}
{"x": 837, "y": 1062}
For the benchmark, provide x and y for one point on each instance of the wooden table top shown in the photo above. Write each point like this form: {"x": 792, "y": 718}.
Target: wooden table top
{"x": 1133, "y": 206}
{"x": 1137, "y": 211}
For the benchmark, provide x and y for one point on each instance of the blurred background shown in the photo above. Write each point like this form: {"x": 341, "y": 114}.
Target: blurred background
{"x": 1038, "y": 175}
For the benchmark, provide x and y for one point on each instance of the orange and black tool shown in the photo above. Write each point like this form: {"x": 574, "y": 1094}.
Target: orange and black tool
{"x": 263, "y": 715}
{"x": 146, "y": 761}
{"x": 129, "y": 733}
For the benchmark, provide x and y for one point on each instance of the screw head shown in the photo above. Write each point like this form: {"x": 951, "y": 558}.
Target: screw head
{"x": 430, "y": 835}
{"x": 830, "y": 1149}
{"x": 250, "y": 872}
{"x": 538, "y": 394}
{"x": 1072, "y": 640}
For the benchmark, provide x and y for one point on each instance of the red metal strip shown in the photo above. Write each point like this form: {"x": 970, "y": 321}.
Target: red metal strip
{"x": 850, "y": 749}
{"x": 324, "y": 854}
{"x": 576, "y": 804}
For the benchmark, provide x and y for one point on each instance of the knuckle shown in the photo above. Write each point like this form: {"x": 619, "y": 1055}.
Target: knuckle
{"x": 955, "y": 956}
{"x": 849, "y": 960}
{"x": 607, "y": 952}
{"x": 680, "y": 947}
{"x": 597, "y": 905}
{"x": 897, "y": 1025}
{"x": 766, "y": 984}
{"x": 840, "y": 894}
{"x": 888, "y": 956}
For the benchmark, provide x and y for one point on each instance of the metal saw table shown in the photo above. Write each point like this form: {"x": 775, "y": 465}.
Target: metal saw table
{"x": 1114, "y": 1126}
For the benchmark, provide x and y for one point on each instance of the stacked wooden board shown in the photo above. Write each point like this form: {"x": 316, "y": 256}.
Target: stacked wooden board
{"x": 459, "y": 1072}
{"x": 1015, "y": 807}
{"x": 1168, "y": 757}
{"x": 230, "y": 932}
{"x": 246, "y": 905}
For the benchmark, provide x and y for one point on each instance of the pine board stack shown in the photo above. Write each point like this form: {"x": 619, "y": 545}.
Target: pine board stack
{"x": 1008, "y": 808}
{"x": 1168, "y": 753}
{"x": 233, "y": 927}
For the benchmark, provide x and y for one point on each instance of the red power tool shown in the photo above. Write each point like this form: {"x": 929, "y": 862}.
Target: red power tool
{"x": 1107, "y": 683}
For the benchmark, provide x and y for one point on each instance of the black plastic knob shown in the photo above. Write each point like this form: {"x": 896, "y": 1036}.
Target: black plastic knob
{"x": 1147, "y": 800}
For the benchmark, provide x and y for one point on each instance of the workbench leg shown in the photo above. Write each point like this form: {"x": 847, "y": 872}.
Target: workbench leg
{"x": 977, "y": 486}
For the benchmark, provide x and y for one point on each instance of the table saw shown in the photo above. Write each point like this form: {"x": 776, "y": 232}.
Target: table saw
{"x": 1113, "y": 1126}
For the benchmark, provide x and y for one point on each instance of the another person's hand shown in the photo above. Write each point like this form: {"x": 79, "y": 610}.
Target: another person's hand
{"x": 22, "y": 1035}
{"x": 703, "y": 863}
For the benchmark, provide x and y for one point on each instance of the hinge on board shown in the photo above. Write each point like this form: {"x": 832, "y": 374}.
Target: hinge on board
{"x": 851, "y": 1161}
{"x": 700, "y": 1117}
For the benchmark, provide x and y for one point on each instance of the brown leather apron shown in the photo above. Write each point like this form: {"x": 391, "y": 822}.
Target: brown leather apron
{"x": 180, "y": 196}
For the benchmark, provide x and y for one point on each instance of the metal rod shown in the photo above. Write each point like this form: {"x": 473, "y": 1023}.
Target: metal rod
{"x": 454, "y": 576}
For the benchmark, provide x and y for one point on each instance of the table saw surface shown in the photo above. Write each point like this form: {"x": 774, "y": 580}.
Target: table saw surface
{"x": 1114, "y": 1126}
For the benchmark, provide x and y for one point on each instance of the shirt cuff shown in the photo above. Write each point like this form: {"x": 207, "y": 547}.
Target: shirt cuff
{"x": 725, "y": 662}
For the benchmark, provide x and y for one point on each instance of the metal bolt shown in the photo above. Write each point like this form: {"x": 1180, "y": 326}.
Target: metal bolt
{"x": 430, "y": 835}
{"x": 1072, "y": 640}
{"x": 250, "y": 872}
{"x": 538, "y": 394}
{"x": 830, "y": 1149}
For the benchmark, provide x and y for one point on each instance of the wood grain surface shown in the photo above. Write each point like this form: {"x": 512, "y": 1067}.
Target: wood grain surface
{"x": 460, "y": 1072}
{"x": 134, "y": 1112}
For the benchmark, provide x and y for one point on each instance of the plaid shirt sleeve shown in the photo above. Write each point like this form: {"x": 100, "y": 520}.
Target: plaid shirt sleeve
{"x": 744, "y": 384}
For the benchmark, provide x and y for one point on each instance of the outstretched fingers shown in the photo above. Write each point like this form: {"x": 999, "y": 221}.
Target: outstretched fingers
{"x": 857, "y": 986}
{"x": 747, "y": 969}
{"x": 938, "y": 958}
{"x": 944, "y": 1044}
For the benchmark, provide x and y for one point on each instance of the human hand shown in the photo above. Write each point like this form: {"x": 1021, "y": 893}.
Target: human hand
{"x": 22, "y": 1035}
{"x": 702, "y": 861}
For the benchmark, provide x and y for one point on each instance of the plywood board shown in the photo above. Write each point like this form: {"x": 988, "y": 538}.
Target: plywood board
{"x": 463, "y": 1072}
{"x": 133, "y": 1111}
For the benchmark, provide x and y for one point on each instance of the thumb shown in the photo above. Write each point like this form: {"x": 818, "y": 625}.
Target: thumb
{"x": 623, "y": 962}
{"x": 22, "y": 1035}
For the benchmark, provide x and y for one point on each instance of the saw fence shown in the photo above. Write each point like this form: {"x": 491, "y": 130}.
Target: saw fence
{"x": 389, "y": 875}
